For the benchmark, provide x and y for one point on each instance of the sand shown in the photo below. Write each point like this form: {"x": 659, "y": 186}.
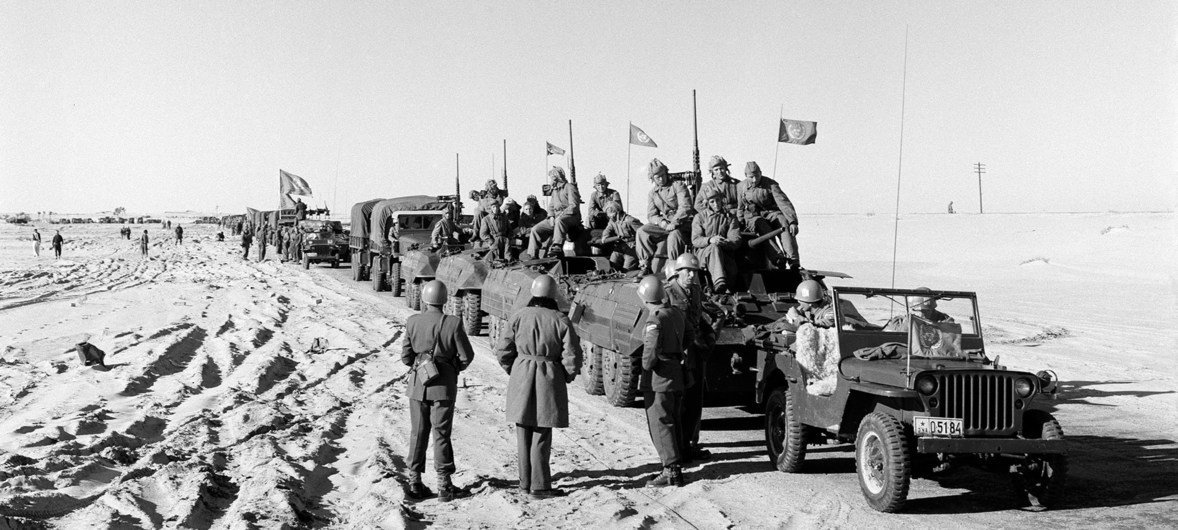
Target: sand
{"x": 216, "y": 411}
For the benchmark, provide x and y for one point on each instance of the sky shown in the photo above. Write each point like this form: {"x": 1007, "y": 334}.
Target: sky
{"x": 165, "y": 106}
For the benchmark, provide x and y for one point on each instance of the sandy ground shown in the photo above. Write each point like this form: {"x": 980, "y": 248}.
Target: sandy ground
{"x": 216, "y": 412}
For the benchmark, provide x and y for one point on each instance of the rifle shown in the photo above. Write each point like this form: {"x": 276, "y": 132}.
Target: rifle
{"x": 766, "y": 237}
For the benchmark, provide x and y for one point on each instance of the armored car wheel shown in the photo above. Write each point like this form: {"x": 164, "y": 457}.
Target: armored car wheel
{"x": 451, "y": 306}
{"x": 1039, "y": 481}
{"x": 784, "y": 434}
{"x": 620, "y": 373}
{"x": 881, "y": 459}
{"x": 472, "y": 316}
{"x": 494, "y": 329}
{"x": 395, "y": 278}
{"x": 413, "y": 296}
{"x": 591, "y": 380}
{"x": 306, "y": 262}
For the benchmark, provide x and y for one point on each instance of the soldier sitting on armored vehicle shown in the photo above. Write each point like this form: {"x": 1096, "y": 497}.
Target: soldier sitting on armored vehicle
{"x": 765, "y": 208}
{"x": 495, "y": 233}
{"x": 564, "y": 215}
{"x": 618, "y": 237}
{"x": 922, "y": 306}
{"x": 602, "y": 195}
{"x": 491, "y": 194}
{"x": 715, "y": 235}
{"x": 722, "y": 182}
{"x": 445, "y": 232}
{"x": 668, "y": 218}
{"x": 511, "y": 209}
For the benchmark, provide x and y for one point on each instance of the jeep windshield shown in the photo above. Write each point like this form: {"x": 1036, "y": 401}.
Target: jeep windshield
{"x": 930, "y": 323}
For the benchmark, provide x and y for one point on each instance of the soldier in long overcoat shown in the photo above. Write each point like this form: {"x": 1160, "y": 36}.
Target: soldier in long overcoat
{"x": 434, "y": 336}
{"x": 662, "y": 381}
{"x": 541, "y": 351}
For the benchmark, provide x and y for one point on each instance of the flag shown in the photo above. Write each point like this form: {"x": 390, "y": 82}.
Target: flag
{"x": 289, "y": 184}
{"x": 638, "y": 137}
{"x": 798, "y": 132}
{"x": 933, "y": 339}
{"x": 554, "y": 150}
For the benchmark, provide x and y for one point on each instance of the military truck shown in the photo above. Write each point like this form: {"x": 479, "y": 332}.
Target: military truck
{"x": 913, "y": 388}
{"x": 358, "y": 238}
{"x": 396, "y": 227}
{"x": 609, "y": 317}
{"x": 323, "y": 241}
{"x": 507, "y": 288}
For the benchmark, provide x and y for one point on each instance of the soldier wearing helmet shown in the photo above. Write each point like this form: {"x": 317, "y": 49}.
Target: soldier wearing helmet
{"x": 668, "y": 215}
{"x": 602, "y": 195}
{"x": 685, "y": 293}
{"x": 813, "y": 306}
{"x": 765, "y": 208}
{"x": 721, "y": 182}
{"x": 541, "y": 352}
{"x": 618, "y": 237}
{"x": 437, "y": 349}
{"x": 564, "y": 213}
{"x": 715, "y": 235}
{"x": 924, "y": 306}
{"x": 663, "y": 378}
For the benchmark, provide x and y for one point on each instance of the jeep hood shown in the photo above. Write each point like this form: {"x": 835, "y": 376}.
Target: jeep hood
{"x": 890, "y": 372}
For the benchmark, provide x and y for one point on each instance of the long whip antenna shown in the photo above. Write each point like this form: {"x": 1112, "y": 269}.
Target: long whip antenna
{"x": 900, "y": 163}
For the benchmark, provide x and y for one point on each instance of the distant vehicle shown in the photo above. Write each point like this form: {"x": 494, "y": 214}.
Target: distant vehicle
{"x": 909, "y": 392}
{"x": 324, "y": 241}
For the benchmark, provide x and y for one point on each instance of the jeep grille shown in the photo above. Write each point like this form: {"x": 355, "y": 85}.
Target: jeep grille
{"x": 985, "y": 402}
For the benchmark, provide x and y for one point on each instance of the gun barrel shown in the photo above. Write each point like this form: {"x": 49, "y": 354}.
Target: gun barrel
{"x": 763, "y": 238}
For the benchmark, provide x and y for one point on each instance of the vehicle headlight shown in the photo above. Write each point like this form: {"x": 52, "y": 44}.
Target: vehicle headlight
{"x": 1023, "y": 387}
{"x": 926, "y": 384}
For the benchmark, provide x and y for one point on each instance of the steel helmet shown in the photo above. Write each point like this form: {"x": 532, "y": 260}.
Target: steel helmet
{"x": 669, "y": 270}
{"x": 600, "y": 179}
{"x": 544, "y": 286}
{"x": 686, "y": 260}
{"x": 920, "y": 302}
{"x": 650, "y": 290}
{"x": 809, "y": 291}
{"x": 433, "y": 293}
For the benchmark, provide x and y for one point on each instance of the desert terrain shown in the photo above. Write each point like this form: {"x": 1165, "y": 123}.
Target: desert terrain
{"x": 217, "y": 410}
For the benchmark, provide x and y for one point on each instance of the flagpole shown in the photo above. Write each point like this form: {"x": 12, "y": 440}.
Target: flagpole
{"x": 777, "y": 144}
{"x": 628, "y": 144}
{"x": 900, "y": 162}
{"x": 505, "y": 166}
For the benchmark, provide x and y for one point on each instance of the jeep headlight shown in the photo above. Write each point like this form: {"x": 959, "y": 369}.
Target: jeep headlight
{"x": 926, "y": 384}
{"x": 1024, "y": 387}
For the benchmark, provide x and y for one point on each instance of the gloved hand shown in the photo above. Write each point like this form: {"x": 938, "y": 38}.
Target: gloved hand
{"x": 793, "y": 229}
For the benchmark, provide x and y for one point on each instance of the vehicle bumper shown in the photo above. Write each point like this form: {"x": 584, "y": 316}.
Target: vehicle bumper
{"x": 990, "y": 445}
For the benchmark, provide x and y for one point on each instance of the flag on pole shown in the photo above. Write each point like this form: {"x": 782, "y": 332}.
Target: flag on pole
{"x": 289, "y": 184}
{"x": 554, "y": 150}
{"x": 797, "y": 132}
{"x": 638, "y": 137}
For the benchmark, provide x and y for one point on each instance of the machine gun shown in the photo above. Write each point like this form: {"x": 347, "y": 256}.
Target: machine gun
{"x": 766, "y": 237}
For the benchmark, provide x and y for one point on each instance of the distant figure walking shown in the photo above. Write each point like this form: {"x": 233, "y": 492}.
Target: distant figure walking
{"x": 951, "y": 207}
{"x": 247, "y": 240}
{"x": 37, "y": 242}
{"x": 143, "y": 244}
{"x": 179, "y": 235}
{"x": 57, "y": 241}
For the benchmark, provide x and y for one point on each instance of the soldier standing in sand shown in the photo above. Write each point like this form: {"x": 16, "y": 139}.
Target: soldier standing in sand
{"x": 437, "y": 349}
{"x": 37, "y": 242}
{"x": 662, "y": 379}
{"x": 143, "y": 244}
{"x": 57, "y": 242}
{"x": 247, "y": 240}
{"x": 179, "y": 235}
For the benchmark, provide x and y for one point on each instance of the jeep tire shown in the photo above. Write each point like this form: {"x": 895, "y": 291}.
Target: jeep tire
{"x": 306, "y": 262}
{"x": 395, "y": 278}
{"x": 472, "y": 316}
{"x": 784, "y": 433}
{"x": 591, "y": 380}
{"x": 620, "y": 373}
{"x": 1039, "y": 481}
{"x": 881, "y": 460}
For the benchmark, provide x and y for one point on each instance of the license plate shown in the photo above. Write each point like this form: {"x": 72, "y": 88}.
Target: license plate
{"x": 942, "y": 427}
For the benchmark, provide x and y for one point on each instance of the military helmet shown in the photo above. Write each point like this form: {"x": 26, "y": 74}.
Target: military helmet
{"x": 433, "y": 293}
{"x": 669, "y": 270}
{"x": 600, "y": 179}
{"x": 612, "y": 206}
{"x": 686, "y": 260}
{"x": 492, "y": 183}
{"x": 922, "y": 302}
{"x": 650, "y": 290}
{"x": 809, "y": 291}
{"x": 509, "y": 201}
{"x": 556, "y": 172}
{"x": 656, "y": 167}
{"x": 544, "y": 286}
{"x": 717, "y": 161}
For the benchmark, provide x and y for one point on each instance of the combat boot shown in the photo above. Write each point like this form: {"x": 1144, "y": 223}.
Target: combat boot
{"x": 446, "y": 490}
{"x": 417, "y": 489}
{"x": 663, "y": 479}
{"x": 677, "y": 476}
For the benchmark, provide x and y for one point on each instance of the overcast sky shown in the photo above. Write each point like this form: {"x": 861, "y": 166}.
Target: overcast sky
{"x": 196, "y": 105}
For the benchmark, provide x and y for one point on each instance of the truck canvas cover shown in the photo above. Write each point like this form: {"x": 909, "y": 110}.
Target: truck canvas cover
{"x": 360, "y": 213}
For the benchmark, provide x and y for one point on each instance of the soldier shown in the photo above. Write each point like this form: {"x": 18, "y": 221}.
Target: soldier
{"x": 564, "y": 213}
{"x": 685, "y": 293}
{"x": 622, "y": 230}
{"x": 143, "y": 244}
{"x": 668, "y": 217}
{"x": 715, "y": 235}
{"x": 296, "y": 245}
{"x": 765, "y": 208}
{"x": 722, "y": 182}
{"x": 37, "y": 242}
{"x": 179, "y": 235}
{"x": 496, "y": 233}
{"x": 541, "y": 352}
{"x": 300, "y": 211}
{"x": 511, "y": 210}
{"x": 602, "y": 195}
{"x": 56, "y": 243}
{"x": 263, "y": 236}
{"x": 437, "y": 349}
{"x": 247, "y": 240}
{"x": 445, "y": 231}
{"x": 491, "y": 194}
{"x": 530, "y": 215}
{"x": 663, "y": 378}
{"x": 813, "y": 306}
{"x": 923, "y": 306}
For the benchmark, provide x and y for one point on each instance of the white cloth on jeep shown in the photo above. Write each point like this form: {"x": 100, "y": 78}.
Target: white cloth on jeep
{"x": 818, "y": 356}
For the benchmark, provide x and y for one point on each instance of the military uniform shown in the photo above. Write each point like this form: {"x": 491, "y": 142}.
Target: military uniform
{"x": 597, "y": 216}
{"x": 622, "y": 252}
{"x": 523, "y": 227}
{"x": 727, "y": 186}
{"x": 717, "y": 258}
{"x": 541, "y": 351}
{"x": 668, "y": 214}
{"x": 487, "y": 197}
{"x": 699, "y": 340}
{"x": 443, "y": 233}
{"x": 433, "y": 404}
{"x": 496, "y": 234}
{"x": 564, "y": 214}
{"x": 663, "y": 381}
{"x": 765, "y": 208}
{"x": 247, "y": 240}
{"x": 143, "y": 244}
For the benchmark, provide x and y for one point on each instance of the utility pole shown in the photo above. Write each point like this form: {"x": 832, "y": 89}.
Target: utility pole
{"x": 980, "y": 168}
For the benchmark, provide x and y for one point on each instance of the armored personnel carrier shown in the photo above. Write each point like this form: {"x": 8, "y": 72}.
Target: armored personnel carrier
{"x": 420, "y": 266}
{"x": 464, "y": 274}
{"x": 507, "y": 288}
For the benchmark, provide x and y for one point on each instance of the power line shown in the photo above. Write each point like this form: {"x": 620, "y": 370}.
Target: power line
{"x": 979, "y": 168}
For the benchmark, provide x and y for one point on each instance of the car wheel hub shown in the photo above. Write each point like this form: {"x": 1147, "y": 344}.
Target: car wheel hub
{"x": 872, "y": 463}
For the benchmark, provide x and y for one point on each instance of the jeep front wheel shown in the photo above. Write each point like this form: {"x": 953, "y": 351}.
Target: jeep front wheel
{"x": 784, "y": 434}
{"x": 1039, "y": 480}
{"x": 306, "y": 262}
{"x": 881, "y": 458}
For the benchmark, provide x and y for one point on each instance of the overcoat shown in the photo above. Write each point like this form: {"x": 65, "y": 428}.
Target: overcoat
{"x": 541, "y": 351}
